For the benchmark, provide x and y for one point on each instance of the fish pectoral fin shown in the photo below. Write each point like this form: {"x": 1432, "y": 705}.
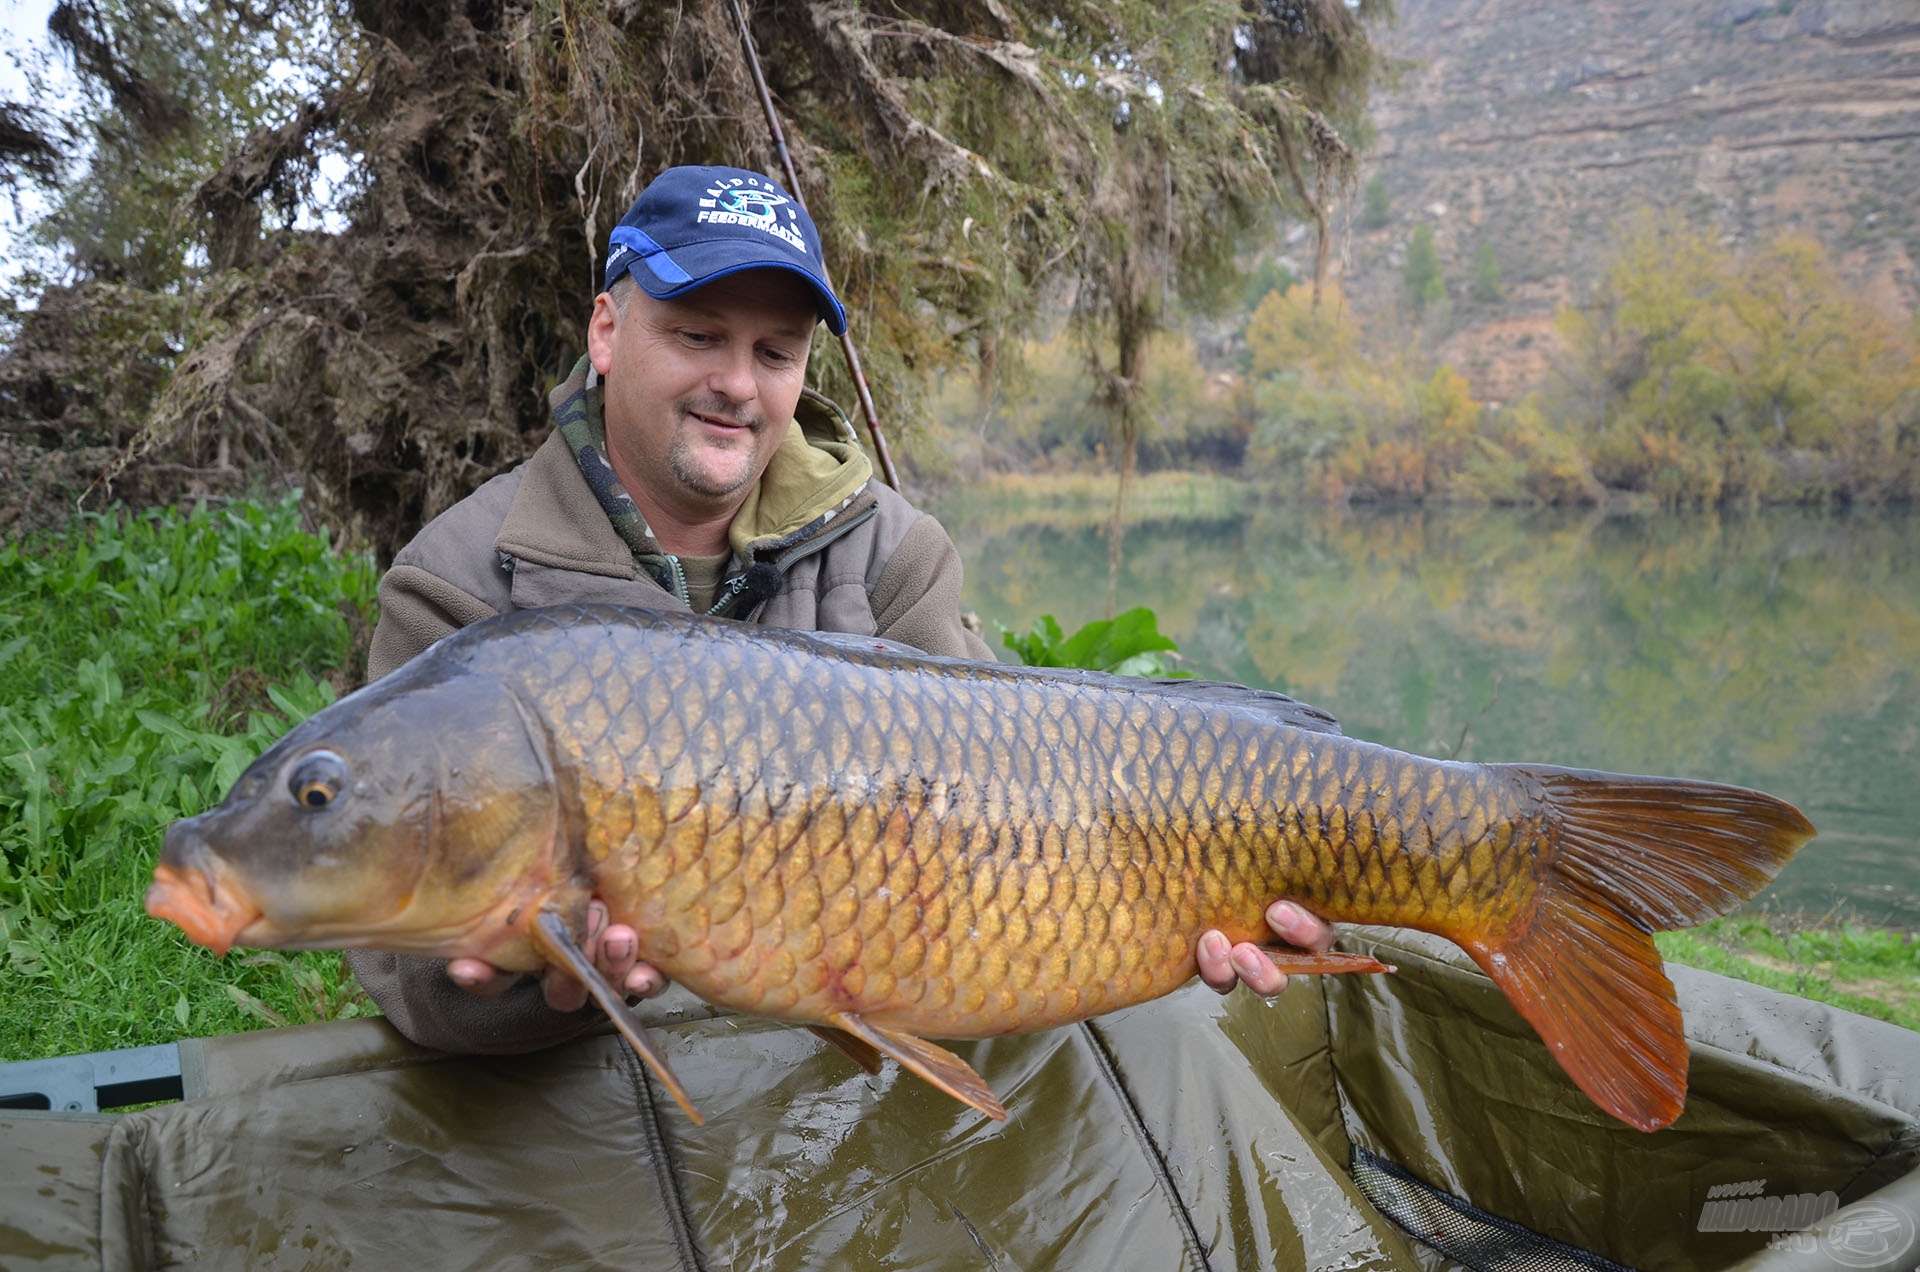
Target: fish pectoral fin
{"x": 864, "y": 1054}
{"x": 1295, "y": 961}
{"x": 554, "y": 940}
{"x": 936, "y": 1064}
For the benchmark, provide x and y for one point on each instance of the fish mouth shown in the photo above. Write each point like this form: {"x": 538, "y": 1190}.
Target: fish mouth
{"x": 210, "y": 906}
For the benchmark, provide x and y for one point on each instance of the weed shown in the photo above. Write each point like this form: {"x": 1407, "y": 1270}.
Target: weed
{"x": 144, "y": 661}
{"x": 1130, "y": 645}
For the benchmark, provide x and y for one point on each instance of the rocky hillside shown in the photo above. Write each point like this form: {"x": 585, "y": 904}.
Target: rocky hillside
{"x": 1536, "y": 125}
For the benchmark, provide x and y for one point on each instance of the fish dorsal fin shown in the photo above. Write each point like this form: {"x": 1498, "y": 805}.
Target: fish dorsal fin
{"x": 936, "y": 1064}
{"x": 1284, "y": 710}
{"x": 551, "y": 936}
{"x": 849, "y": 643}
{"x": 1291, "y": 712}
{"x": 1288, "y": 711}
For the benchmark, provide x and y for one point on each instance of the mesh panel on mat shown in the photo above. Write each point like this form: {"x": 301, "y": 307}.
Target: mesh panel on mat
{"x": 1462, "y": 1231}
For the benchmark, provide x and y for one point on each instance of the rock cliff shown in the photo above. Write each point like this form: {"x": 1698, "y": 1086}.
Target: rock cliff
{"x": 1538, "y": 125}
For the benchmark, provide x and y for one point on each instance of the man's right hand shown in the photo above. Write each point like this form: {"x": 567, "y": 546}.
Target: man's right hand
{"x": 1222, "y": 966}
{"x": 613, "y": 949}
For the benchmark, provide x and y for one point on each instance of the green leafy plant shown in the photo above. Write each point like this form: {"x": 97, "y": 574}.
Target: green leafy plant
{"x": 144, "y": 662}
{"x": 1128, "y": 645}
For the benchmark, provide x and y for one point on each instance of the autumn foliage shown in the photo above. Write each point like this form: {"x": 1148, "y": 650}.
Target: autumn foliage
{"x": 1694, "y": 375}
{"x": 1699, "y": 375}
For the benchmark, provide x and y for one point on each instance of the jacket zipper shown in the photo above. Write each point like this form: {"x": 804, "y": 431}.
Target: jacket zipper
{"x": 819, "y": 543}
{"x": 679, "y": 580}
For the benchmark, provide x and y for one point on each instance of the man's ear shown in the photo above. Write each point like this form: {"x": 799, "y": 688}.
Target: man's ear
{"x": 601, "y": 325}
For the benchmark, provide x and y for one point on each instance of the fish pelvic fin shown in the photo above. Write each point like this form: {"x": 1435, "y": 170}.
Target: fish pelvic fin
{"x": 1627, "y": 857}
{"x": 936, "y": 1064}
{"x": 554, "y": 940}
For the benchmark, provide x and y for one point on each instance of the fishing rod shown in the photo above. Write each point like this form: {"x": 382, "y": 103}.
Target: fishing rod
{"x": 867, "y": 408}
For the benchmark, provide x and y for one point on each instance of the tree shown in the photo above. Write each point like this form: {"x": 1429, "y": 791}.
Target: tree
{"x": 1375, "y": 209}
{"x": 970, "y": 163}
{"x": 1290, "y": 335}
{"x": 165, "y": 100}
{"x": 1651, "y": 394}
{"x": 1712, "y": 376}
{"x": 1486, "y": 274}
{"x": 1269, "y": 276}
{"x": 27, "y": 155}
{"x": 1422, "y": 273}
{"x": 1791, "y": 321}
{"x": 1315, "y": 52}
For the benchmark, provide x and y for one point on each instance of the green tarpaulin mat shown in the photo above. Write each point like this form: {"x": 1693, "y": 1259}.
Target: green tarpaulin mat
{"x": 1193, "y": 1132}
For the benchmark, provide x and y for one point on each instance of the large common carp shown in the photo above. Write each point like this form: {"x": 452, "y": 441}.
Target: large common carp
{"x": 887, "y": 847}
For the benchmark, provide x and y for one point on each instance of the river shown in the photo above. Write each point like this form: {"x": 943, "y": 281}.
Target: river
{"x": 1776, "y": 650}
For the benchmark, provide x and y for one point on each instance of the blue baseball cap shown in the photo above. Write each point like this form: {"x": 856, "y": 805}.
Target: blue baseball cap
{"x": 691, "y": 226}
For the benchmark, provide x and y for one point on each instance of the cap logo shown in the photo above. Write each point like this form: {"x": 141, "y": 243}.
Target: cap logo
{"x": 749, "y": 204}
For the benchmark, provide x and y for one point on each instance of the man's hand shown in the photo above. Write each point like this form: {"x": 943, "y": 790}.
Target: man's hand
{"x": 613, "y": 950}
{"x": 1223, "y": 968}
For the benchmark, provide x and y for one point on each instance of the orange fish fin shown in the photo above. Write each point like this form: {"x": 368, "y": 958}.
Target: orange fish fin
{"x": 1295, "y": 961}
{"x": 863, "y": 1054}
{"x": 551, "y": 936}
{"x": 1594, "y": 988}
{"x": 1626, "y": 857}
{"x": 936, "y": 1064}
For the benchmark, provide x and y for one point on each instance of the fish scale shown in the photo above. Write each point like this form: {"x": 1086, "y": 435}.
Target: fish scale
{"x": 889, "y": 847}
{"x": 1164, "y": 841}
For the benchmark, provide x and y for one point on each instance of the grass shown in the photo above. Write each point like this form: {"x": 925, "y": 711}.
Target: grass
{"x": 144, "y": 661}
{"x": 1872, "y": 971}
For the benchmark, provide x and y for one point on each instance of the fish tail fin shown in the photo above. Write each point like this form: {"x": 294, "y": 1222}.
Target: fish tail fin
{"x": 1627, "y": 857}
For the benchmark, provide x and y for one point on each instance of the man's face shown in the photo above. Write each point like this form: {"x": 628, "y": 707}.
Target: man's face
{"x": 700, "y": 389}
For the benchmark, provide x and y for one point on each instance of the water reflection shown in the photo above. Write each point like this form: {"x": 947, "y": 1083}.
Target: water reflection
{"x": 1775, "y": 650}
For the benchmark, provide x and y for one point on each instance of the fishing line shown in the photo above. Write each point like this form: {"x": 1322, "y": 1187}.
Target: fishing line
{"x": 867, "y": 408}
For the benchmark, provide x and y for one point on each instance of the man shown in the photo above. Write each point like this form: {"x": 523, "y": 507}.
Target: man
{"x": 676, "y": 478}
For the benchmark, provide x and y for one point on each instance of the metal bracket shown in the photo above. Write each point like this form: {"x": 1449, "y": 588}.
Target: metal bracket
{"x": 94, "y": 1081}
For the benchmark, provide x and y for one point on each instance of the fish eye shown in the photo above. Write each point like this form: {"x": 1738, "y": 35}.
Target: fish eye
{"x": 317, "y": 779}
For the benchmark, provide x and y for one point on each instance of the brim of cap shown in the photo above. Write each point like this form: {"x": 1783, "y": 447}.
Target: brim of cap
{"x": 831, "y": 311}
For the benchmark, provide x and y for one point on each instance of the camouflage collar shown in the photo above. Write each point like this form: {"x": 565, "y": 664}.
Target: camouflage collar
{"x": 585, "y": 432}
